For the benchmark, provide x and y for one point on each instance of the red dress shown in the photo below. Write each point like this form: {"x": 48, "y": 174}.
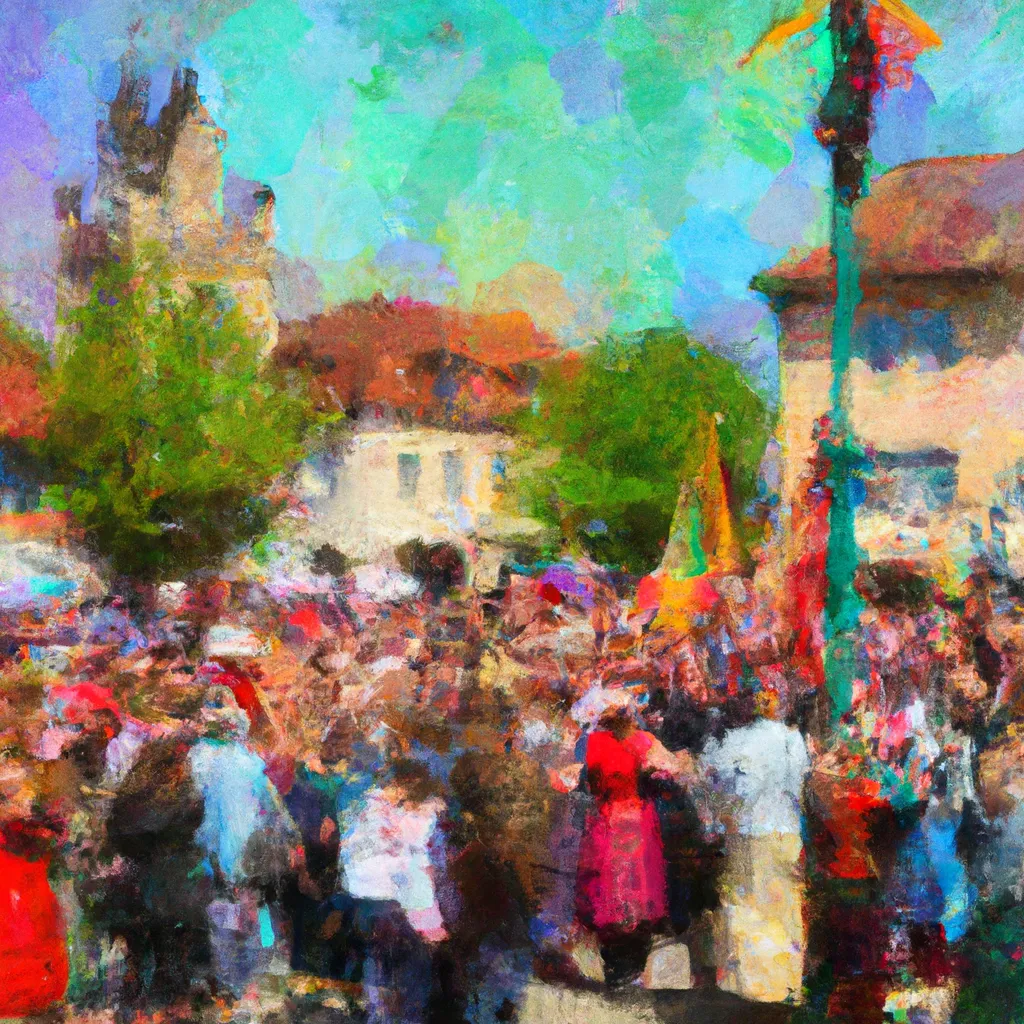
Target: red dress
{"x": 33, "y": 954}
{"x": 620, "y": 881}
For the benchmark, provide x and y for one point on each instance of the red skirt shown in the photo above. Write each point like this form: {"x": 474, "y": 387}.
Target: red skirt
{"x": 620, "y": 880}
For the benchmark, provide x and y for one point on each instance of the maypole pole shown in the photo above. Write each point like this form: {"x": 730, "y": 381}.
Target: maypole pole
{"x": 844, "y": 129}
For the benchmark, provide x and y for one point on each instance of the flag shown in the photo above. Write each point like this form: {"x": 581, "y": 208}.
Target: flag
{"x": 702, "y": 538}
{"x": 898, "y": 33}
{"x": 701, "y": 544}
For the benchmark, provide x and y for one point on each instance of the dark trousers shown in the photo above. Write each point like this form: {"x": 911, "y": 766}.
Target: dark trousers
{"x": 625, "y": 955}
{"x": 405, "y": 978}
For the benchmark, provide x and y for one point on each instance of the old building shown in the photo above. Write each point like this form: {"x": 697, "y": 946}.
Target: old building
{"x": 938, "y": 367}
{"x": 427, "y": 389}
{"x": 163, "y": 181}
{"x": 394, "y": 485}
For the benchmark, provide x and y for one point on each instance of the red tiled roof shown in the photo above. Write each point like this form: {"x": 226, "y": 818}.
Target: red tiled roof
{"x": 928, "y": 218}
{"x": 411, "y": 355}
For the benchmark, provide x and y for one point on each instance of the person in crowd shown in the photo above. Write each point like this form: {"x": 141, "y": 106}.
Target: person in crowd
{"x": 621, "y": 891}
{"x": 85, "y": 863}
{"x": 497, "y": 842}
{"x": 251, "y": 846}
{"x": 549, "y": 734}
{"x": 392, "y": 858}
{"x": 929, "y": 887}
{"x": 684, "y": 715}
{"x": 155, "y": 904}
{"x": 328, "y": 779}
{"x": 758, "y": 769}
{"x": 33, "y": 951}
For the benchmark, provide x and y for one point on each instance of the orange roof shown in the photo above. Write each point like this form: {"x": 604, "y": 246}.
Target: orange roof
{"x": 415, "y": 356}
{"x": 933, "y": 217}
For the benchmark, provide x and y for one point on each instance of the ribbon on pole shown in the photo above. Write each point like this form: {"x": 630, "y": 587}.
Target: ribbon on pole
{"x": 874, "y": 44}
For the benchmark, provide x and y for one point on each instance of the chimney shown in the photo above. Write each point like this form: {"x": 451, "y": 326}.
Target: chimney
{"x": 67, "y": 204}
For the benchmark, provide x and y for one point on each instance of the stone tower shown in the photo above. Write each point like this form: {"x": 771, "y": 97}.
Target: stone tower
{"x": 165, "y": 182}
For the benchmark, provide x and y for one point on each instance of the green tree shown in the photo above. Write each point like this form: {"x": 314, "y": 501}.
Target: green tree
{"x": 166, "y": 425}
{"x": 628, "y": 420}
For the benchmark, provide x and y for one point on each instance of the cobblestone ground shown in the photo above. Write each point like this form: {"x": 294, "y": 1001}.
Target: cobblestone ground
{"x": 302, "y": 1001}
{"x": 548, "y": 1004}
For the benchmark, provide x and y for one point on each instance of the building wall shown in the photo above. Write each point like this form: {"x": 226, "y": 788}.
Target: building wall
{"x": 188, "y": 219}
{"x": 195, "y": 179}
{"x": 974, "y": 409}
{"x": 937, "y": 320}
{"x": 365, "y": 505}
{"x": 937, "y": 364}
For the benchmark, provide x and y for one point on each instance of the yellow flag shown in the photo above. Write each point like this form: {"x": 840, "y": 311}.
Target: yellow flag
{"x": 702, "y": 543}
{"x": 719, "y": 537}
{"x": 813, "y": 10}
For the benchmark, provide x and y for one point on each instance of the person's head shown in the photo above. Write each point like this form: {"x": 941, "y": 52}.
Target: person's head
{"x": 739, "y": 709}
{"x": 89, "y": 749}
{"x": 968, "y": 685}
{"x": 690, "y": 675}
{"x": 104, "y": 722}
{"x": 339, "y": 737}
{"x": 17, "y": 790}
{"x": 220, "y": 716}
{"x": 618, "y": 716}
{"x": 413, "y": 779}
{"x": 768, "y": 704}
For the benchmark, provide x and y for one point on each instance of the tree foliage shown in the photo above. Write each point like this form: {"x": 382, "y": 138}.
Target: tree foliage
{"x": 628, "y": 418}
{"x": 166, "y": 426}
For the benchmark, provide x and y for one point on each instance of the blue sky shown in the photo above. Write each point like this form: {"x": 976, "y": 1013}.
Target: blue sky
{"x": 606, "y": 155}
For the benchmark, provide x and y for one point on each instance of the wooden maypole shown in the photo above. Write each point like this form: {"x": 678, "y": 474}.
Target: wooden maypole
{"x": 843, "y": 127}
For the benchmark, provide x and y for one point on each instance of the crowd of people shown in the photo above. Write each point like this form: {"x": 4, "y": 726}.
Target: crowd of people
{"x": 424, "y": 797}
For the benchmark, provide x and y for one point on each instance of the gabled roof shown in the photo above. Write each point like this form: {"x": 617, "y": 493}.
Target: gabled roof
{"x": 427, "y": 360}
{"x": 930, "y": 218}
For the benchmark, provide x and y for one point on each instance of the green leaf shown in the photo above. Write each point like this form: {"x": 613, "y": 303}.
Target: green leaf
{"x": 624, "y": 419}
{"x": 166, "y": 423}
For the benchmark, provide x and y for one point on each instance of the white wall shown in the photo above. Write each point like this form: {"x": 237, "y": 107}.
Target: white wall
{"x": 359, "y": 507}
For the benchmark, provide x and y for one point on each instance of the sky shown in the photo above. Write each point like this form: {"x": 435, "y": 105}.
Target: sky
{"x": 604, "y": 164}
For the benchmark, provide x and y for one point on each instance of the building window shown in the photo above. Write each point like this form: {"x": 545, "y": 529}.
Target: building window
{"x": 499, "y": 471}
{"x": 1011, "y": 485}
{"x": 907, "y": 482}
{"x": 408, "y": 475}
{"x": 454, "y": 476}
{"x": 886, "y": 341}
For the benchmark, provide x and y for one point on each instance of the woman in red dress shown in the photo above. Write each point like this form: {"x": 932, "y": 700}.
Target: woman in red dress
{"x": 33, "y": 950}
{"x": 621, "y": 892}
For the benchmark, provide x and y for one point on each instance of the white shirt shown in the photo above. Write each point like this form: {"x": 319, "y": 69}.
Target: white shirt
{"x": 385, "y": 855}
{"x": 759, "y": 770}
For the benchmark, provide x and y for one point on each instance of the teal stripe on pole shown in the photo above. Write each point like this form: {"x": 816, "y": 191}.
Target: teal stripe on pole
{"x": 845, "y": 130}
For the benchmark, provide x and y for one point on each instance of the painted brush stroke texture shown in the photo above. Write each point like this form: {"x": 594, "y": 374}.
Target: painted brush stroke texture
{"x": 511, "y": 511}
